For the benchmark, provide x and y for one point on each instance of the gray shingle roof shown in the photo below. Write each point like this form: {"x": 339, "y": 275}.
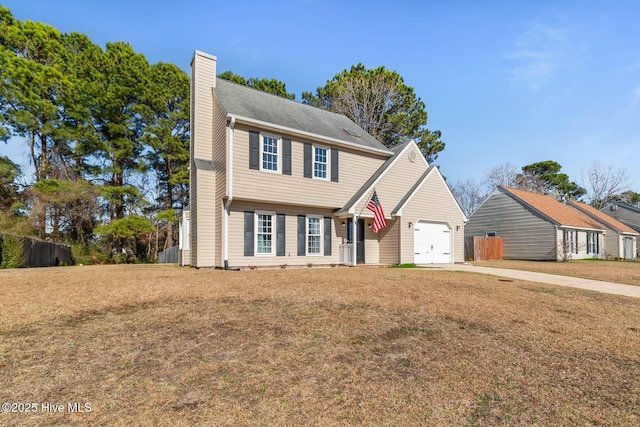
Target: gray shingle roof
{"x": 253, "y": 104}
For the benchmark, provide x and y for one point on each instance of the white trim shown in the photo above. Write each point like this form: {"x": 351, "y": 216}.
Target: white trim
{"x": 327, "y": 162}
{"x": 411, "y": 143}
{"x": 306, "y": 235}
{"x": 273, "y": 232}
{"x": 398, "y": 212}
{"x": 354, "y": 238}
{"x": 292, "y": 131}
{"x": 229, "y": 177}
{"x": 278, "y": 139}
{"x": 204, "y": 55}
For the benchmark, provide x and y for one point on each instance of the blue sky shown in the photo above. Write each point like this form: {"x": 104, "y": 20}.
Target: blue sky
{"x": 505, "y": 81}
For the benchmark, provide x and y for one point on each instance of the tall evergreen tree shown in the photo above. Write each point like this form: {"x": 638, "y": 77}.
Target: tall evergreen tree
{"x": 167, "y": 134}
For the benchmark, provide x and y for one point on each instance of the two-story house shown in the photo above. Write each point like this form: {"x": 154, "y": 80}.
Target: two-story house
{"x": 275, "y": 182}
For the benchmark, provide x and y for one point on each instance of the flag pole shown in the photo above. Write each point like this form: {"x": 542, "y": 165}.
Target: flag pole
{"x": 366, "y": 201}
{"x": 355, "y": 228}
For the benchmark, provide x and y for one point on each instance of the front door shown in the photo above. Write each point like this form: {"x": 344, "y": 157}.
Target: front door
{"x": 628, "y": 248}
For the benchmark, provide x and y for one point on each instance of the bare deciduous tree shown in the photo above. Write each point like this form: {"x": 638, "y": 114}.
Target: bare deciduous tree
{"x": 469, "y": 194}
{"x": 603, "y": 183}
{"x": 505, "y": 174}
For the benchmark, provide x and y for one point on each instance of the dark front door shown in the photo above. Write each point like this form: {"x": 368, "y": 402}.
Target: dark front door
{"x": 360, "y": 247}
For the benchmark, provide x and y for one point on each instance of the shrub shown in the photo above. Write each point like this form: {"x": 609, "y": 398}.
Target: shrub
{"x": 11, "y": 251}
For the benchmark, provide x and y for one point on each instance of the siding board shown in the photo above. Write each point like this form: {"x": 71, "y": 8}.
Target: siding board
{"x": 355, "y": 169}
{"x": 525, "y": 234}
{"x": 434, "y": 203}
{"x": 290, "y": 257}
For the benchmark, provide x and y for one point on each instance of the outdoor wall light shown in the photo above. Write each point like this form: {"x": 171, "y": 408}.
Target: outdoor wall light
{"x": 410, "y": 224}
{"x": 370, "y": 225}
{"x": 344, "y": 224}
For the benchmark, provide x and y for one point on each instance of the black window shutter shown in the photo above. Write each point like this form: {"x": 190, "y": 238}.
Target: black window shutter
{"x": 254, "y": 150}
{"x": 327, "y": 236}
{"x": 302, "y": 231}
{"x": 286, "y": 157}
{"x": 248, "y": 234}
{"x": 334, "y": 165}
{"x": 307, "y": 160}
{"x": 280, "y": 235}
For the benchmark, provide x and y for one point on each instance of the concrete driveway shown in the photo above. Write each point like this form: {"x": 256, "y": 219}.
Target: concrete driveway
{"x": 552, "y": 279}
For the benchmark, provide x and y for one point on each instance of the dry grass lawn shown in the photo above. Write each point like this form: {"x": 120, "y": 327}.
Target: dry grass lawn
{"x": 627, "y": 272}
{"x": 163, "y": 345}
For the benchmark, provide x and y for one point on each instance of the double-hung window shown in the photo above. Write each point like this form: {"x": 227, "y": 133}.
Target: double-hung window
{"x": 265, "y": 233}
{"x": 320, "y": 163}
{"x": 314, "y": 235}
{"x": 270, "y": 153}
{"x": 593, "y": 246}
{"x": 570, "y": 241}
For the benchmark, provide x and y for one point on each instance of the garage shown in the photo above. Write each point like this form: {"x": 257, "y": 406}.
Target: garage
{"x": 431, "y": 243}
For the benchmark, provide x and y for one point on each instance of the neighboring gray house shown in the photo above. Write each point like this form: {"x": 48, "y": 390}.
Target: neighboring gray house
{"x": 536, "y": 227}
{"x": 274, "y": 182}
{"x": 619, "y": 240}
{"x": 626, "y": 214}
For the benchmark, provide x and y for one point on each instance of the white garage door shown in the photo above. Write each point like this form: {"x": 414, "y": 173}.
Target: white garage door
{"x": 432, "y": 243}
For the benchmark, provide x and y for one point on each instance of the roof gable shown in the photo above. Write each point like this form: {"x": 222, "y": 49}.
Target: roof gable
{"x": 252, "y": 104}
{"x": 552, "y": 209}
{"x": 602, "y": 217}
{"x": 368, "y": 186}
{"x": 432, "y": 170}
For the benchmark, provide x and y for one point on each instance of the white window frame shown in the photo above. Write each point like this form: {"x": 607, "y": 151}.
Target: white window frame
{"x": 257, "y": 231}
{"x": 593, "y": 243}
{"x": 321, "y": 235}
{"x": 278, "y": 153}
{"x": 570, "y": 238}
{"x": 327, "y": 163}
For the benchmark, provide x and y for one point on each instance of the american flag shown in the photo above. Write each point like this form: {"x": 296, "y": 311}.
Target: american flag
{"x": 378, "y": 214}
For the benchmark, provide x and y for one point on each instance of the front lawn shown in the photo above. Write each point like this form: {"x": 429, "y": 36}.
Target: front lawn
{"x": 163, "y": 345}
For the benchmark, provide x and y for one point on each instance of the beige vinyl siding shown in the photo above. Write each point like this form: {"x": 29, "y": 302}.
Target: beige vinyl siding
{"x": 193, "y": 206}
{"x": 219, "y": 151}
{"x": 202, "y": 83}
{"x": 205, "y": 222}
{"x": 185, "y": 257}
{"x": 354, "y": 169}
{"x": 236, "y": 236}
{"x": 371, "y": 244}
{"x": 202, "y": 182}
{"x": 389, "y": 241}
{"x": 396, "y": 182}
{"x": 432, "y": 203}
{"x": 525, "y": 234}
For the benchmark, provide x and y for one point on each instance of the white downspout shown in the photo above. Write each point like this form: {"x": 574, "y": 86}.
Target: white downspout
{"x": 232, "y": 124}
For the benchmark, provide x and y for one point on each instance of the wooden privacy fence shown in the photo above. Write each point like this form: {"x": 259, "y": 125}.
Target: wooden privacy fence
{"x": 478, "y": 248}
{"x": 17, "y": 251}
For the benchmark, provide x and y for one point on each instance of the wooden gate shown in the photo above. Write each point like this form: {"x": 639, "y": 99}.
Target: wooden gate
{"x": 478, "y": 248}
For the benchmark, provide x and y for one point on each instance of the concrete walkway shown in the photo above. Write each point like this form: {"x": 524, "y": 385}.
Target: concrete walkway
{"x": 552, "y": 279}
